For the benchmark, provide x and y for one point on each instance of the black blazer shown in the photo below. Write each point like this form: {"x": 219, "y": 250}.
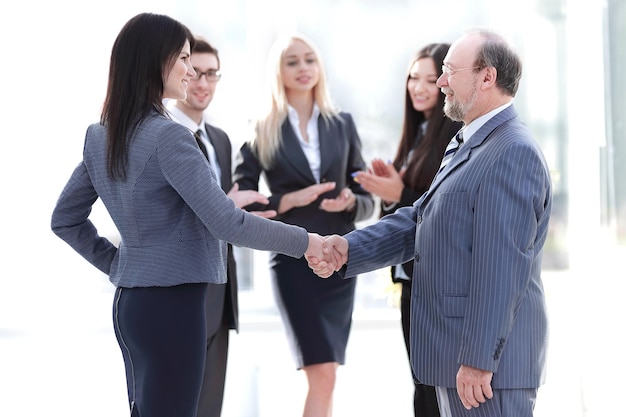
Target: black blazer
{"x": 223, "y": 152}
{"x": 407, "y": 198}
{"x": 410, "y": 195}
{"x": 340, "y": 151}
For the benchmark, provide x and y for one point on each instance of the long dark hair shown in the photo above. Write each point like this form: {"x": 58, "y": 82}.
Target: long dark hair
{"x": 143, "y": 52}
{"x": 426, "y": 157}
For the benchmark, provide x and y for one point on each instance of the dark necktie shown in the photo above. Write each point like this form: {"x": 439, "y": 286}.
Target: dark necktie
{"x": 198, "y": 136}
{"x": 451, "y": 149}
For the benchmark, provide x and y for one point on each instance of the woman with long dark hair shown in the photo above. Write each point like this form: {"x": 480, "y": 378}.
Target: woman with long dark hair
{"x": 426, "y": 131}
{"x": 172, "y": 216}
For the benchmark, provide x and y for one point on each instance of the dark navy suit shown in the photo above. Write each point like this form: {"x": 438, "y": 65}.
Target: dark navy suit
{"x": 222, "y": 310}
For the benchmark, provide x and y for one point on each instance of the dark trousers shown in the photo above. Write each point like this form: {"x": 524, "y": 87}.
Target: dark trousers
{"x": 505, "y": 403}
{"x": 424, "y": 397}
{"x": 162, "y": 334}
{"x": 212, "y": 393}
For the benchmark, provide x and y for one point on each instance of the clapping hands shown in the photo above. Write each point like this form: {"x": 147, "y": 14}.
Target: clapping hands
{"x": 326, "y": 255}
{"x": 382, "y": 180}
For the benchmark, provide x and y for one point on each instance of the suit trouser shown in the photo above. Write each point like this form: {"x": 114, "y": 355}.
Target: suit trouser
{"x": 505, "y": 403}
{"x": 162, "y": 334}
{"x": 212, "y": 393}
{"x": 424, "y": 396}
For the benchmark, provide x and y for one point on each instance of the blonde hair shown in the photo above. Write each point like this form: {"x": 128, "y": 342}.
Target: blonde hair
{"x": 268, "y": 136}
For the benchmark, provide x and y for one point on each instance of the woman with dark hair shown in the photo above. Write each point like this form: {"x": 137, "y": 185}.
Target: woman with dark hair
{"x": 172, "y": 216}
{"x": 426, "y": 132}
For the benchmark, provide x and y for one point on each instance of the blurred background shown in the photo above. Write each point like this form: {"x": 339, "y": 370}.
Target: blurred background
{"x": 58, "y": 354}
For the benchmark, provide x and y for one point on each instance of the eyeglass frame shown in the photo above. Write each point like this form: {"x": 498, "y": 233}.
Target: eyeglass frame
{"x": 211, "y": 75}
{"x": 450, "y": 72}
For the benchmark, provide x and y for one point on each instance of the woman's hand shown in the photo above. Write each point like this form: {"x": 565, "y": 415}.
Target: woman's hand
{"x": 345, "y": 201}
{"x": 304, "y": 197}
{"x": 382, "y": 180}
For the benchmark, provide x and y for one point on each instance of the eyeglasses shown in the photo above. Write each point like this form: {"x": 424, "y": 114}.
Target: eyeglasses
{"x": 211, "y": 75}
{"x": 450, "y": 72}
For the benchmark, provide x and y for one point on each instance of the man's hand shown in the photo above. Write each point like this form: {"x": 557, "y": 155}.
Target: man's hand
{"x": 246, "y": 197}
{"x": 473, "y": 386}
{"x": 334, "y": 256}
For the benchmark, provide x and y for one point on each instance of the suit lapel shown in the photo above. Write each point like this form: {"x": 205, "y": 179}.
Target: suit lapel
{"x": 222, "y": 154}
{"x": 477, "y": 139}
{"x": 328, "y": 144}
{"x": 293, "y": 153}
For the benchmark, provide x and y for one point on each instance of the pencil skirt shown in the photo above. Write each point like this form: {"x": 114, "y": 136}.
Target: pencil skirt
{"x": 316, "y": 312}
{"x": 162, "y": 334}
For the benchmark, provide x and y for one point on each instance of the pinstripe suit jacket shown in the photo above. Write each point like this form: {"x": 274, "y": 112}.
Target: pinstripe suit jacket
{"x": 476, "y": 237}
{"x": 171, "y": 213}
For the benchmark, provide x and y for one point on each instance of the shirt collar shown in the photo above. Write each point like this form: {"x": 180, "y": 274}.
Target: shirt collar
{"x": 179, "y": 116}
{"x": 477, "y": 123}
{"x": 292, "y": 114}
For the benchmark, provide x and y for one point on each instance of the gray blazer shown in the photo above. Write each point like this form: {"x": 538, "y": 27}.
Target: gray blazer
{"x": 172, "y": 215}
{"x": 476, "y": 237}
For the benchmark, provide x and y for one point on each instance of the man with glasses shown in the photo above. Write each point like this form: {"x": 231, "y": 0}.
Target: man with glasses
{"x": 222, "y": 301}
{"x": 479, "y": 327}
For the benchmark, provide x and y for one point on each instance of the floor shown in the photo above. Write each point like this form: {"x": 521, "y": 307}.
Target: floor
{"x": 69, "y": 364}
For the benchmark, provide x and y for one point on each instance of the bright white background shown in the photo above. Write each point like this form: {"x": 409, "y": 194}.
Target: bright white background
{"x": 58, "y": 355}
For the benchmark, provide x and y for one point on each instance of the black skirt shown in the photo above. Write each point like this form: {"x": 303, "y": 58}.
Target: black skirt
{"x": 316, "y": 312}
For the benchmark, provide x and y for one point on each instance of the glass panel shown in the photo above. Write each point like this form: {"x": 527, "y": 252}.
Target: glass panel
{"x": 614, "y": 155}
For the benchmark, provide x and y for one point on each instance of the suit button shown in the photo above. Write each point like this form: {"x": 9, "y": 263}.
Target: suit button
{"x": 419, "y": 219}
{"x": 417, "y": 257}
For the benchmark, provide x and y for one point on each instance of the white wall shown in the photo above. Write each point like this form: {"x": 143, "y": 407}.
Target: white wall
{"x": 54, "y": 70}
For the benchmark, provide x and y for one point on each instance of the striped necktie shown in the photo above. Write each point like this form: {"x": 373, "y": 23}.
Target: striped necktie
{"x": 198, "y": 136}
{"x": 451, "y": 149}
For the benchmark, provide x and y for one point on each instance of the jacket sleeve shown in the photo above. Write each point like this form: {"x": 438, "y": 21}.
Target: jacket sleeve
{"x": 248, "y": 174}
{"x": 189, "y": 174}
{"x": 364, "y": 208}
{"x": 70, "y": 221}
{"x": 389, "y": 241}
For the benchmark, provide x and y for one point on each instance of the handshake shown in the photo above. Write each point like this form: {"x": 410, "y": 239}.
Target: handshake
{"x": 326, "y": 255}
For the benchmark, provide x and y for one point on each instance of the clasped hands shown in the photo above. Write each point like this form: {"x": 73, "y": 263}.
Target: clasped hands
{"x": 326, "y": 255}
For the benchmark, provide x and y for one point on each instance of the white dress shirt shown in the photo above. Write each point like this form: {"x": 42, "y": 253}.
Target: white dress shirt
{"x": 477, "y": 123}
{"x": 311, "y": 148}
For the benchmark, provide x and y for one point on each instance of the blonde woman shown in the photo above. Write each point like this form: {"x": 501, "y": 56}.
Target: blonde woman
{"x": 307, "y": 150}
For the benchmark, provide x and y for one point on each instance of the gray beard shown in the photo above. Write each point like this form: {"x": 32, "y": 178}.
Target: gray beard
{"x": 454, "y": 111}
{"x": 457, "y": 111}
